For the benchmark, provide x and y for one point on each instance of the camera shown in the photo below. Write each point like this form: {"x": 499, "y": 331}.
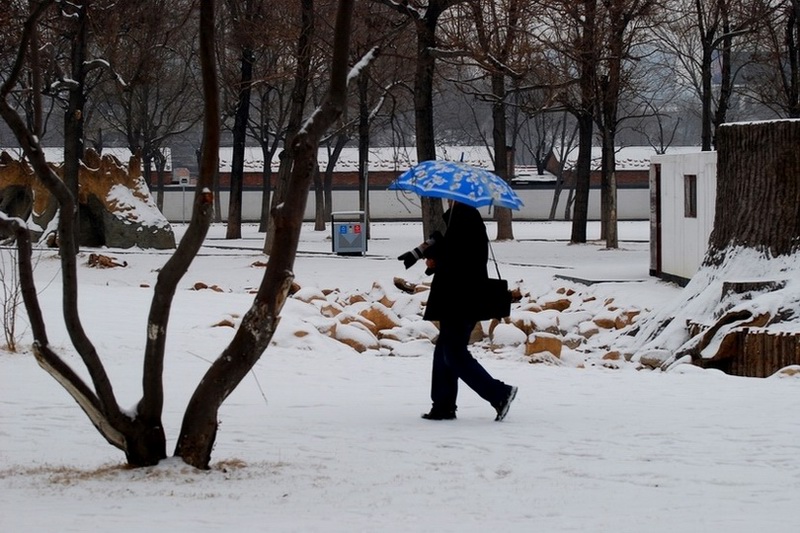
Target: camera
{"x": 412, "y": 256}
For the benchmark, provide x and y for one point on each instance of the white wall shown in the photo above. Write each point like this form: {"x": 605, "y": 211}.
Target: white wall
{"x": 632, "y": 204}
{"x": 684, "y": 240}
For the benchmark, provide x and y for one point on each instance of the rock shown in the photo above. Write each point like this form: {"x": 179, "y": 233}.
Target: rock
{"x": 559, "y": 304}
{"x": 654, "y": 358}
{"x": 588, "y": 329}
{"x": 503, "y": 335}
{"x": 104, "y": 261}
{"x": 309, "y": 294}
{"x": 115, "y": 205}
{"x": 330, "y": 310}
{"x": 606, "y": 320}
{"x": 381, "y": 316}
{"x": 543, "y": 342}
{"x": 356, "y": 336}
{"x": 405, "y": 286}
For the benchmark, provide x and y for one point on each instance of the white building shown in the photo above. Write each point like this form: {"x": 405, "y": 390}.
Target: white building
{"x": 683, "y": 190}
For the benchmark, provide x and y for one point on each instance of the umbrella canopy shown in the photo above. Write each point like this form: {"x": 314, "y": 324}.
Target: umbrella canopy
{"x": 457, "y": 181}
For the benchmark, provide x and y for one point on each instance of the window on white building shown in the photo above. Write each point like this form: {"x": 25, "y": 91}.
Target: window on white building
{"x": 690, "y": 196}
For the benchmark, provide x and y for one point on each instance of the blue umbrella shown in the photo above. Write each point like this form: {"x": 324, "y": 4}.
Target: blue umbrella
{"x": 457, "y": 181}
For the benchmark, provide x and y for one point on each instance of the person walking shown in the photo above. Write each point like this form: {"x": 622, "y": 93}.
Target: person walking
{"x": 458, "y": 262}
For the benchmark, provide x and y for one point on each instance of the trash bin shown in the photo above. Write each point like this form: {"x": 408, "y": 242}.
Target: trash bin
{"x": 349, "y": 232}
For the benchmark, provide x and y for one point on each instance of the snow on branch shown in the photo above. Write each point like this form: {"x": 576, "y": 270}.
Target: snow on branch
{"x": 355, "y": 71}
{"x": 402, "y": 6}
{"x": 362, "y": 64}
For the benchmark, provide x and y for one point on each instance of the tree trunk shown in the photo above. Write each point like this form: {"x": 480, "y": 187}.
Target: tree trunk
{"x": 505, "y": 231}
{"x": 242, "y": 116}
{"x": 758, "y": 173}
{"x": 432, "y": 211}
{"x": 792, "y": 69}
{"x": 588, "y": 72}
{"x": 268, "y": 152}
{"x": 609, "y": 192}
{"x": 583, "y": 171}
{"x": 363, "y": 149}
{"x": 266, "y": 191}
{"x": 319, "y": 202}
{"x": 705, "y": 97}
{"x": 74, "y": 118}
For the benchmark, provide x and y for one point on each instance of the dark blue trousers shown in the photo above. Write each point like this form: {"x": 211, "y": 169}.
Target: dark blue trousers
{"x": 452, "y": 360}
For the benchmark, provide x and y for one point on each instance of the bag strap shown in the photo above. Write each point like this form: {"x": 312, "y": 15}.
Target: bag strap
{"x": 494, "y": 259}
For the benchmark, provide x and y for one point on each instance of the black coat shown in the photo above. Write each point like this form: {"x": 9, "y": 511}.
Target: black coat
{"x": 461, "y": 257}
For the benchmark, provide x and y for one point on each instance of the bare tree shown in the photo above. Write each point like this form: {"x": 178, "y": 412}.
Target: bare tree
{"x": 299, "y": 96}
{"x": 11, "y": 295}
{"x": 152, "y": 96}
{"x": 271, "y": 94}
{"x": 547, "y": 134}
{"x": 568, "y": 32}
{"x": 486, "y": 36}
{"x": 245, "y": 22}
{"x": 426, "y": 20}
{"x": 774, "y": 81}
{"x": 704, "y": 35}
{"x": 141, "y": 436}
{"x": 622, "y": 23}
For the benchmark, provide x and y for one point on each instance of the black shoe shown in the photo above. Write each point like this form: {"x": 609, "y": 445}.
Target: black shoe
{"x": 440, "y": 414}
{"x": 502, "y": 407}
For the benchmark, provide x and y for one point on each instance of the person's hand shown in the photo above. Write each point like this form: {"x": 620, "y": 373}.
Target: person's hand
{"x": 430, "y": 266}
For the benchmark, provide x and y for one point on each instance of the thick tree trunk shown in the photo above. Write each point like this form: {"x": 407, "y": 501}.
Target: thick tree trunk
{"x": 758, "y": 173}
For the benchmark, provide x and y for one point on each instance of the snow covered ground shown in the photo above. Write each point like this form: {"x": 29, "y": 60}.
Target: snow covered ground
{"x": 322, "y": 438}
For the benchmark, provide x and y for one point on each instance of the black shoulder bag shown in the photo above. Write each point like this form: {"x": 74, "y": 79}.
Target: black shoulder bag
{"x": 496, "y": 296}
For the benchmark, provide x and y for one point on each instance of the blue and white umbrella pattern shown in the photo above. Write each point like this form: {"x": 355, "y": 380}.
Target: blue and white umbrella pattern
{"x": 457, "y": 181}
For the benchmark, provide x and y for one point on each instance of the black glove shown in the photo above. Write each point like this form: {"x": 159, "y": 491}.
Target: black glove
{"x": 409, "y": 258}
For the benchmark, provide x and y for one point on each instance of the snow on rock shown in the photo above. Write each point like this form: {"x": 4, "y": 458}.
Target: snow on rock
{"x": 561, "y": 323}
{"x": 507, "y": 335}
{"x": 789, "y": 372}
{"x": 357, "y": 336}
{"x": 414, "y": 348}
{"x": 694, "y": 326}
{"x": 543, "y": 342}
